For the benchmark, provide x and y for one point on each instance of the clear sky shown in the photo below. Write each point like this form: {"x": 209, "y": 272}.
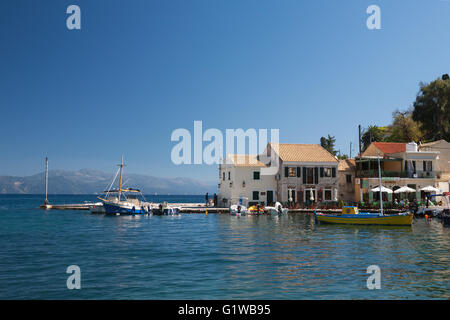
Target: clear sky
{"x": 137, "y": 70}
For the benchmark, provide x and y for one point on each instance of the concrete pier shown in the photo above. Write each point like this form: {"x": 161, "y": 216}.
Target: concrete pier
{"x": 199, "y": 208}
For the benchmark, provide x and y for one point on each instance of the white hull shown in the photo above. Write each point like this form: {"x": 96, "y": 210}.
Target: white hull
{"x": 238, "y": 210}
{"x": 277, "y": 209}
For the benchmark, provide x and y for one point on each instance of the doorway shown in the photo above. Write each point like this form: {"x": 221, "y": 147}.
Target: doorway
{"x": 269, "y": 197}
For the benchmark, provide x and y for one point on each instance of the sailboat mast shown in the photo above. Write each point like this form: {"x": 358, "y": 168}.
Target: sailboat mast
{"x": 120, "y": 179}
{"x": 46, "y": 180}
{"x": 379, "y": 180}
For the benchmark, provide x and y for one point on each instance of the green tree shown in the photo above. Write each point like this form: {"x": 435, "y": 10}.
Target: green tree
{"x": 328, "y": 143}
{"x": 404, "y": 128}
{"x": 373, "y": 134}
{"x": 432, "y": 109}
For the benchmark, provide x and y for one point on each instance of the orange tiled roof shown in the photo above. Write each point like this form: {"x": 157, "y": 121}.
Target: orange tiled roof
{"x": 303, "y": 153}
{"x": 390, "y": 147}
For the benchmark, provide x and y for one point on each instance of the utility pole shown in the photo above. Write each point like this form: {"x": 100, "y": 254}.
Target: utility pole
{"x": 359, "y": 133}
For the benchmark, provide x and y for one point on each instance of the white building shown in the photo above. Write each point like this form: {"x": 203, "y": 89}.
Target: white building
{"x": 241, "y": 177}
{"x": 306, "y": 173}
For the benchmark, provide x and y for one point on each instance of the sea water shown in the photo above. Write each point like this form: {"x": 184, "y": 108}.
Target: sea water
{"x": 214, "y": 256}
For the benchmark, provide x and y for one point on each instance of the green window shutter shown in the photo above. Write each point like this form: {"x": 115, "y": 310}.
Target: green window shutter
{"x": 321, "y": 172}
{"x": 316, "y": 175}
{"x": 286, "y": 172}
{"x": 333, "y": 172}
{"x": 304, "y": 175}
{"x": 424, "y": 166}
{"x": 431, "y": 165}
{"x": 298, "y": 172}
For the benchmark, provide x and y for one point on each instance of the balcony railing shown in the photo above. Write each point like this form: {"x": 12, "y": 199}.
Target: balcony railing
{"x": 398, "y": 174}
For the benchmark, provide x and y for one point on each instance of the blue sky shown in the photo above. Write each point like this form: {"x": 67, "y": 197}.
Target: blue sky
{"x": 137, "y": 70}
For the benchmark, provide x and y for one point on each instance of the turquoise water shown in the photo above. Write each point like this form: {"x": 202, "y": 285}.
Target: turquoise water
{"x": 195, "y": 256}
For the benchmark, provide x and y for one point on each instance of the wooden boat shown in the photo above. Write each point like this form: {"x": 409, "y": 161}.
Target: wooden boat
{"x": 124, "y": 201}
{"x": 351, "y": 215}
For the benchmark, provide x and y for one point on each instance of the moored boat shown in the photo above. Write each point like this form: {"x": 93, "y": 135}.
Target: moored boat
{"x": 256, "y": 209}
{"x": 165, "y": 209}
{"x": 351, "y": 215}
{"x": 127, "y": 201}
{"x": 277, "y": 209}
{"x": 96, "y": 207}
{"x": 238, "y": 208}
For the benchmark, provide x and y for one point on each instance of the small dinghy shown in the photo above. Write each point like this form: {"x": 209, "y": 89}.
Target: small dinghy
{"x": 164, "y": 209}
{"x": 96, "y": 207}
{"x": 277, "y": 209}
{"x": 238, "y": 208}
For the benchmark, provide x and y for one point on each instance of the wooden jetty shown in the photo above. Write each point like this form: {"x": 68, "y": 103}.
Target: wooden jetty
{"x": 73, "y": 206}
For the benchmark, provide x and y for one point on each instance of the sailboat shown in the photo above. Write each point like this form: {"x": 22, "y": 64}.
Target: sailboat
{"x": 46, "y": 204}
{"x": 126, "y": 201}
{"x": 351, "y": 215}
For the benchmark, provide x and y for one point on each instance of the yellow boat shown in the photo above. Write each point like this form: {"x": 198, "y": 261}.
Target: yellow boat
{"x": 351, "y": 215}
{"x": 255, "y": 210}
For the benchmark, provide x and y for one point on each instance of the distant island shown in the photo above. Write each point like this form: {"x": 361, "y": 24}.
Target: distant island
{"x": 88, "y": 181}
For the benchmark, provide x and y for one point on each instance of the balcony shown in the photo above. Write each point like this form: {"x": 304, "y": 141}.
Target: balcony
{"x": 398, "y": 174}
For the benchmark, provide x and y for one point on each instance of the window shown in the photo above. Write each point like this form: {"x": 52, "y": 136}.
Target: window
{"x": 327, "y": 172}
{"x": 428, "y": 166}
{"x": 256, "y": 175}
{"x": 223, "y": 176}
{"x": 229, "y": 175}
{"x": 292, "y": 171}
{"x": 255, "y": 195}
{"x": 348, "y": 177}
{"x": 327, "y": 195}
{"x": 309, "y": 175}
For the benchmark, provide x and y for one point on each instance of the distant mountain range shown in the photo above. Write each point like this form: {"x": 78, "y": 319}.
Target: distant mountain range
{"x": 87, "y": 181}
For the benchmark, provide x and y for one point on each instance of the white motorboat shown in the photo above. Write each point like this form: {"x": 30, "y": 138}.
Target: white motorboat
{"x": 432, "y": 209}
{"x": 238, "y": 209}
{"x": 277, "y": 209}
{"x": 96, "y": 207}
{"x": 165, "y": 209}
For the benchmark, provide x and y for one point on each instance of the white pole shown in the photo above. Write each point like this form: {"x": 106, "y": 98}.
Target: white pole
{"x": 46, "y": 180}
{"x": 379, "y": 178}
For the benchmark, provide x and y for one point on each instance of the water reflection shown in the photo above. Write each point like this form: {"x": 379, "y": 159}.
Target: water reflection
{"x": 293, "y": 254}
